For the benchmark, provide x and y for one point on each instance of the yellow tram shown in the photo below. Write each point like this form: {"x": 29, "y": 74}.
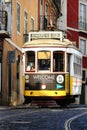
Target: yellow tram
{"x": 52, "y": 66}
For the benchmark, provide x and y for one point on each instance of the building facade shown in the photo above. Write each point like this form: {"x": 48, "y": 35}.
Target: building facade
{"x": 48, "y": 13}
{"x": 74, "y": 22}
{"x": 17, "y": 18}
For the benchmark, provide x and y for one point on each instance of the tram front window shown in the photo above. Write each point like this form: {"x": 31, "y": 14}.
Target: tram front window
{"x": 30, "y": 61}
{"x": 58, "y": 61}
{"x": 43, "y": 60}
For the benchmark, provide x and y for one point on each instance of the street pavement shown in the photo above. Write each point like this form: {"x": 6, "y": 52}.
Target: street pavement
{"x": 26, "y": 117}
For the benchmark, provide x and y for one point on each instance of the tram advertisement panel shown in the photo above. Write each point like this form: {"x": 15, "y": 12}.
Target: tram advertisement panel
{"x": 45, "y": 81}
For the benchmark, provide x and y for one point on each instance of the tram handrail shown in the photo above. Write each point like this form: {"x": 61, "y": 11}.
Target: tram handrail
{"x": 46, "y": 35}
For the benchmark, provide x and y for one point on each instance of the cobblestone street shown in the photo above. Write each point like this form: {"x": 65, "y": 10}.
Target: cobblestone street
{"x": 25, "y": 118}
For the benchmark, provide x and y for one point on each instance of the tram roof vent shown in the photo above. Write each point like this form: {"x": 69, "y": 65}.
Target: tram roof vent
{"x": 46, "y": 35}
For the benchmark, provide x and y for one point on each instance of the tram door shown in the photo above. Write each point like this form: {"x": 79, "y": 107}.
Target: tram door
{"x": 0, "y": 75}
{"x": 18, "y": 77}
{"x": 68, "y": 69}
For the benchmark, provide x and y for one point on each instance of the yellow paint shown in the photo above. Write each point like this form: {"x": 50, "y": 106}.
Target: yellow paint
{"x": 68, "y": 89}
{"x": 67, "y": 85}
{"x": 44, "y": 93}
{"x": 71, "y": 84}
{"x": 43, "y": 55}
{"x": 23, "y": 82}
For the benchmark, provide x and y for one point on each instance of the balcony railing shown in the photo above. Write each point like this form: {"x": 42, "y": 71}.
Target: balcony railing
{"x": 3, "y": 20}
{"x": 46, "y": 23}
{"x": 4, "y": 24}
{"x": 82, "y": 25}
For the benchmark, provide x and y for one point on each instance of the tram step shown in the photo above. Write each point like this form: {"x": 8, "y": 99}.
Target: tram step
{"x": 43, "y": 103}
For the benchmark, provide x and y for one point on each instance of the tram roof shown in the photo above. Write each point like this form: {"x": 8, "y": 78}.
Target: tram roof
{"x": 49, "y": 42}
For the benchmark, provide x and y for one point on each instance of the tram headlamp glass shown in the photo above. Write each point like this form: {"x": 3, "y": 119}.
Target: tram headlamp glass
{"x": 60, "y": 79}
{"x": 43, "y": 86}
{"x": 27, "y": 81}
{"x": 26, "y": 76}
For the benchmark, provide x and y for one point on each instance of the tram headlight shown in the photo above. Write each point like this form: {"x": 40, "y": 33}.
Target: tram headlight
{"x": 43, "y": 86}
{"x": 27, "y": 81}
{"x": 60, "y": 79}
{"x": 27, "y": 78}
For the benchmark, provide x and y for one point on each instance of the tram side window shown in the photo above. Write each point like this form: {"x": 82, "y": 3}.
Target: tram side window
{"x": 30, "y": 61}
{"x": 58, "y": 61}
{"x": 68, "y": 63}
{"x": 43, "y": 60}
{"x": 77, "y": 65}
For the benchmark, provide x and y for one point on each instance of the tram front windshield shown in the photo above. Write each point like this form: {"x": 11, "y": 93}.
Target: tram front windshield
{"x": 44, "y": 61}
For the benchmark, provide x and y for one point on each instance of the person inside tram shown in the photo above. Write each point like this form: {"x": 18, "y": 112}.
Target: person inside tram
{"x": 44, "y": 64}
{"x": 32, "y": 68}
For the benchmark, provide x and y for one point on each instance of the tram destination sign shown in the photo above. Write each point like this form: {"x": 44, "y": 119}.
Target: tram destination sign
{"x": 46, "y": 35}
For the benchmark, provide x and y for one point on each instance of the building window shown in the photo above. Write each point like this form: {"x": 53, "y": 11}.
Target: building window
{"x": 18, "y": 17}
{"x": 46, "y": 12}
{"x": 32, "y": 24}
{"x": 41, "y": 2}
{"x": 83, "y": 46}
{"x": 58, "y": 3}
{"x": 25, "y": 22}
{"x": 83, "y": 75}
{"x": 46, "y": 17}
{"x": 83, "y": 20}
{"x": 51, "y": 18}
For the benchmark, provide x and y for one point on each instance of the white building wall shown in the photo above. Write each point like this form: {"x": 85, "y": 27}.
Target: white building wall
{"x": 62, "y": 20}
